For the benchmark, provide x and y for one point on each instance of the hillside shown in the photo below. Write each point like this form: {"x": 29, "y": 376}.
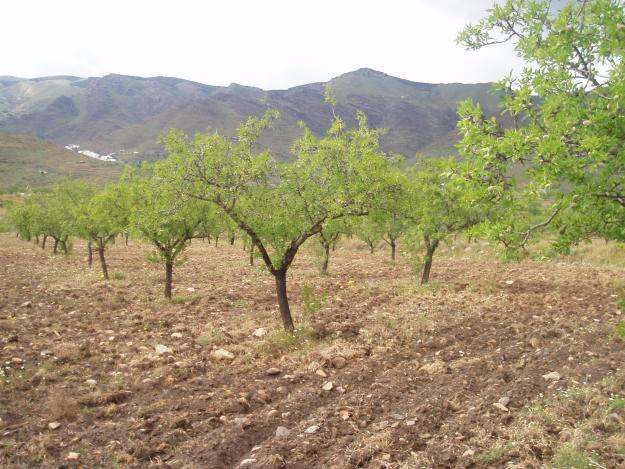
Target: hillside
{"x": 119, "y": 112}
{"x": 27, "y": 161}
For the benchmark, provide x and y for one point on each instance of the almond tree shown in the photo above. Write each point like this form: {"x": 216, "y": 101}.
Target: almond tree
{"x": 568, "y": 105}
{"x": 156, "y": 215}
{"x": 101, "y": 219}
{"x": 442, "y": 201}
{"x": 281, "y": 205}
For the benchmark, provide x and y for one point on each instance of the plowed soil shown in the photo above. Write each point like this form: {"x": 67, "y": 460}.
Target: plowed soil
{"x": 431, "y": 377}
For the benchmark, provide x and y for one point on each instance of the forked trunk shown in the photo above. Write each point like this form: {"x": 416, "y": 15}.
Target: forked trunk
{"x": 56, "y": 245}
{"x": 105, "y": 271}
{"x": 169, "y": 272}
{"x": 283, "y": 300}
{"x": 63, "y": 244}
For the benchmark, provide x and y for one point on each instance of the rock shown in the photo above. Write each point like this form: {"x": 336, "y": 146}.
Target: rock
{"x": 260, "y": 332}
{"x": 344, "y": 415}
{"x": 27, "y": 304}
{"x": 312, "y": 429}
{"x": 282, "y": 432}
{"x": 594, "y": 446}
{"x": 553, "y": 376}
{"x": 274, "y": 371}
{"x": 339, "y": 362}
{"x": 54, "y": 425}
{"x": 468, "y": 453}
{"x": 191, "y": 290}
{"x": 398, "y": 417}
{"x": 509, "y": 282}
{"x": 17, "y": 361}
{"x": 223, "y": 354}
{"x": 176, "y": 335}
{"x": 161, "y": 349}
{"x": 410, "y": 423}
{"x": 501, "y": 407}
{"x": 321, "y": 373}
{"x": 91, "y": 382}
{"x": 385, "y": 457}
{"x": 247, "y": 462}
{"x": 328, "y": 386}
{"x": 73, "y": 456}
{"x": 504, "y": 401}
{"x": 535, "y": 342}
{"x": 243, "y": 422}
{"x": 272, "y": 413}
{"x": 436, "y": 366}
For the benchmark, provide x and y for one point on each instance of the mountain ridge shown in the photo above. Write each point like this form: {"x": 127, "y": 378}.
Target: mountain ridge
{"x": 123, "y": 112}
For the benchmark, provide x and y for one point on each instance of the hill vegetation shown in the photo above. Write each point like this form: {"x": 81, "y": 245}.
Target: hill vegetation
{"x": 128, "y": 113}
{"x": 26, "y": 161}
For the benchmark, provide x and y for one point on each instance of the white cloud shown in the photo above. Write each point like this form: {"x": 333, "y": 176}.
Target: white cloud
{"x": 270, "y": 44}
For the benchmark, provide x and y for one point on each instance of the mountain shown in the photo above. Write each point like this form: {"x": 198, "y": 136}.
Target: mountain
{"x": 118, "y": 112}
{"x": 26, "y": 161}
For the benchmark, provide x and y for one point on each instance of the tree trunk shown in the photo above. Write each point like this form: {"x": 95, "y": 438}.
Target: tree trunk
{"x": 126, "y": 238}
{"x": 393, "y": 248}
{"x": 371, "y": 248}
{"x": 427, "y": 266}
{"x": 169, "y": 271}
{"x": 56, "y": 245}
{"x": 43, "y": 244}
{"x": 37, "y": 240}
{"x": 283, "y": 300}
{"x": 326, "y": 258}
{"x": 252, "y": 254}
{"x": 216, "y": 240}
{"x": 233, "y": 236}
{"x": 89, "y": 254}
{"x": 63, "y": 243}
{"x": 105, "y": 271}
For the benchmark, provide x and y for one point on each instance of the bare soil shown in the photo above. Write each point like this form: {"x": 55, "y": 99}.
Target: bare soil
{"x": 415, "y": 371}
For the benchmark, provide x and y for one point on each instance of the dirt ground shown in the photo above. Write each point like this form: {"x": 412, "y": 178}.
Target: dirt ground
{"x": 492, "y": 365}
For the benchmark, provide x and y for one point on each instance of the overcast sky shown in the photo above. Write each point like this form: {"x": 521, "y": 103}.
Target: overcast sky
{"x": 271, "y": 44}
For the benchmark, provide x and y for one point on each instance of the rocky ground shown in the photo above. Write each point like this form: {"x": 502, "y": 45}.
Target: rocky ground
{"x": 492, "y": 365}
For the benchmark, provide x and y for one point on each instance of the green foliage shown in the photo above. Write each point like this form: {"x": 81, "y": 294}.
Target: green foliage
{"x": 299, "y": 339}
{"x": 619, "y": 330}
{"x": 281, "y": 205}
{"x": 442, "y": 200}
{"x": 312, "y": 302}
{"x": 568, "y": 108}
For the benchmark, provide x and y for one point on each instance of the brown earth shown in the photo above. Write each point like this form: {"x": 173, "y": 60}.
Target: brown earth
{"x": 415, "y": 371}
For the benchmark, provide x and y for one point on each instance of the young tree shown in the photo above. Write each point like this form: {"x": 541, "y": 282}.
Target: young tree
{"x": 442, "y": 202}
{"x": 368, "y": 231}
{"x": 568, "y": 106}
{"x": 328, "y": 236}
{"x": 101, "y": 219}
{"x": 281, "y": 205}
{"x": 157, "y": 216}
